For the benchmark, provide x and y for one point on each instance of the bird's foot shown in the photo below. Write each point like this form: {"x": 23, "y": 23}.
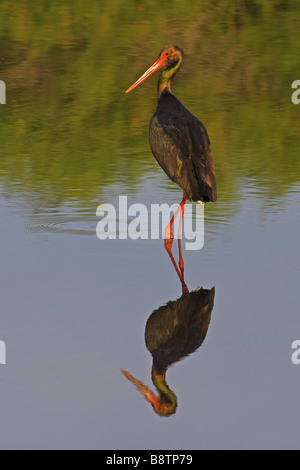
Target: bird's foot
{"x": 168, "y": 244}
{"x": 184, "y": 288}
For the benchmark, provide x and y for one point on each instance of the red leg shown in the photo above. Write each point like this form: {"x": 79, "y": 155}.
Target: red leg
{"x": 169, "y": 243}
{"x": 182, "y": 206}
{"x": 168, "y": 230}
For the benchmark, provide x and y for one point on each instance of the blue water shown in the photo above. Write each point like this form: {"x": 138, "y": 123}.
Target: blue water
{"x": 74, "y": 310}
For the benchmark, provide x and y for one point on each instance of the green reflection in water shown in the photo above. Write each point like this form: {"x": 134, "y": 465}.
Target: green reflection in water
{"x": 68, "y": 130}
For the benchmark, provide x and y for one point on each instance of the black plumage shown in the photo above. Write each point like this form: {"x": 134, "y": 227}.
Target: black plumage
{"x": 180, "y": 144}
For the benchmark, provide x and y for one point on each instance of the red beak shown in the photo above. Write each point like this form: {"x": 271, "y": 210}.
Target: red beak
{"x": 158, "y": 64}
{"x": 148, "y": 394}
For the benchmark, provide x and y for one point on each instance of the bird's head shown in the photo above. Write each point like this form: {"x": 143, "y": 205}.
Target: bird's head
{"x": 164, "y": 404}
{"x": 170, "y": 56}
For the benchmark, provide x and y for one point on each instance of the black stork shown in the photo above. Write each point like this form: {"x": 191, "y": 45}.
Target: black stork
{"x": 178, "y": 140}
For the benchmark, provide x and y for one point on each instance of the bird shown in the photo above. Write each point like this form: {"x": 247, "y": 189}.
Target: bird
{"x": 173, "y": 332}
{"x": 178, "y": 140}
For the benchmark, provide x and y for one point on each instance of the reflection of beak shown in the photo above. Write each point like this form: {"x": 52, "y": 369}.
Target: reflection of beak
{"x": 145, "y": 391}
{"x": 158, "y": 64}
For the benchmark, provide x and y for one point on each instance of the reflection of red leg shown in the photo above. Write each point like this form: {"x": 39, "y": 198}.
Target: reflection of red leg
{"x": 181, "y": 266}
{"x": 181, "y": 263}
{"x": 169, "y": 243}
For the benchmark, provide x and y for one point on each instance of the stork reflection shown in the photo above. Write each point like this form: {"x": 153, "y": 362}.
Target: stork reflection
{"x": 172, "y": 332}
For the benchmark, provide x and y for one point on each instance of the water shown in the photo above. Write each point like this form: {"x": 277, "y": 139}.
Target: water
{"x": 74, "y": 308}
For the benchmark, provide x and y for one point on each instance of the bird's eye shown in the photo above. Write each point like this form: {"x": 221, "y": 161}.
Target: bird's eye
{"x": 167, "y": 53}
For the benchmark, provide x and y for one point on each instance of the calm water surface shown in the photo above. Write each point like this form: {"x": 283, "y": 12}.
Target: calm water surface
{"x": 74, "y": 309}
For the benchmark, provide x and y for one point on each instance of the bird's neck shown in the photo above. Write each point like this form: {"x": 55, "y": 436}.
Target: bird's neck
{"x": 159, "y": 381}
{"x": 166, "y": 77}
